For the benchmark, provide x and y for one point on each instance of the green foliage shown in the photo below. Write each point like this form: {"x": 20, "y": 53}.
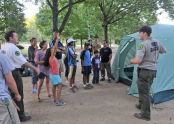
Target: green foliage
{"x": 12, "y": 17}
{"x": 123, "y": 17}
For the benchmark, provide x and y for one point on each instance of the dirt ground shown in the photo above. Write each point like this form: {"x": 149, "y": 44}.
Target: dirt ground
{"x": 105, "y": 104}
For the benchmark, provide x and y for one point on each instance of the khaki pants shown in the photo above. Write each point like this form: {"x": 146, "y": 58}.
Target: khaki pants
{"x": 61, "y": 66}
{"x": 8, "y": 114}
{"x": 108, "y": 70}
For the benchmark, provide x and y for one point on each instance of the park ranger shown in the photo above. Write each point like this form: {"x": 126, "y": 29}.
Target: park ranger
{"x": 17, "y": 60}
{"x": 146, "y": 58}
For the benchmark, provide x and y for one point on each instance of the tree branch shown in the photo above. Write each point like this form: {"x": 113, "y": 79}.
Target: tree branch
{"x": 66, "y": 16}
{"x": 79, "y": 1}
{"x": 51, "y": 6}
{"x": 110, "y": 7}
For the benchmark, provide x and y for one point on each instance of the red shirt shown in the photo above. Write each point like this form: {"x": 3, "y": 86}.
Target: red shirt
{"x": 54, "y": 66}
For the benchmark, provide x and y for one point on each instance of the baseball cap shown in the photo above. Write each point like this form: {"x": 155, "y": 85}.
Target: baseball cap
{"x": 70, "y": 40}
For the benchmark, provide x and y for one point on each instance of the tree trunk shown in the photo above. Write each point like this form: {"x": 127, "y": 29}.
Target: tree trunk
{"x": 105, "y": 29}
{"x": 55, "y": 15}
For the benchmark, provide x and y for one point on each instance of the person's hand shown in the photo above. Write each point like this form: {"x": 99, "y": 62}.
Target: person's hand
{"x": 37, "y": 71}
{"x": 82, "y": 69}
{"x": 109, "y": 63}
{"x": 36, "y": 47}
{"x": 18, "y": 97}
{"x": 75, "y": 56}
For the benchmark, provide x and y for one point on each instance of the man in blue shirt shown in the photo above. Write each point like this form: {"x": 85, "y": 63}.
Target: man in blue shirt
{"x": 8, "y": 113}
{"x": 86, "y": 66}
{"x": 72, "y": 63}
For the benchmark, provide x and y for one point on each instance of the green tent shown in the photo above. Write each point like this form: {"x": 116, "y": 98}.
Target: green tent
{"x": 125, "y": 72}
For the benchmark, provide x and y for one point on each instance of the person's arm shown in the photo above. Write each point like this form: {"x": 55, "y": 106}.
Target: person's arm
{"x": 135, "y": 61}
{"x": 40, "y": 62}
{"x": 110, "y": 57}
{"x": 36, "y": 49}
{"x": 140, "y": 55}
{"x": 7, "y": 67}
{"x": 12, "y": 85}
{"x": 27, "y": 64}
{"x": 53, "y": 52}
{"x": 72, "y": 53}
{"x": 37, "y": 59}
{"x": 93, "y": 63}
{"x": 162, "y": 49}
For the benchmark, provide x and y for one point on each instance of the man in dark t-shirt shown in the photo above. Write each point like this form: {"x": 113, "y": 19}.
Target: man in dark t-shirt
{"x": 106, "y": 56}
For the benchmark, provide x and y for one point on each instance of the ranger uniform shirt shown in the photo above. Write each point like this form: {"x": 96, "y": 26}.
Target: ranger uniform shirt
{"x": 14, "y": 54}
{"x": 148, "y": 53}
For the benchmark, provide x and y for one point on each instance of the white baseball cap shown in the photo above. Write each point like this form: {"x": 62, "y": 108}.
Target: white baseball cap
{"x": 70, "y": 40}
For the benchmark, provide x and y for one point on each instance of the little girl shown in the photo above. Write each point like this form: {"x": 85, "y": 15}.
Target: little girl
{"x": 54, "y": 74}
{"x": 44, "y": 71}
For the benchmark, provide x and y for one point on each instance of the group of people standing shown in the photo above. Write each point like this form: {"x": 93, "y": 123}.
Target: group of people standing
{"x": 47, "y": 64}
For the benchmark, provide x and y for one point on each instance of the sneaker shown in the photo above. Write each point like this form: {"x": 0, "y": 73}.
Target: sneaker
{"x": 60, "y": 103}
{"x": 140, "y": 116}
{"x": 34, "y": 91}
{"x": 75, "y": 87}
{"x": 63, "y": 85}
{"x": 35, "y": 87}
{"x": 54, "y": 101}
{"x": 109, "y": 80}
{"x": 67, "y": 82}
{"x": 138, "y": 106}
{"x": 25, "y": 118}
{"x": 102, "y": 79}
{"x": 89, "y": 85}
{"x": 72, "y": 89}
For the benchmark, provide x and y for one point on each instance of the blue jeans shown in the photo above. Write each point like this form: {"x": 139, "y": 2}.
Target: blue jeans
{"x": 95, "y": 77}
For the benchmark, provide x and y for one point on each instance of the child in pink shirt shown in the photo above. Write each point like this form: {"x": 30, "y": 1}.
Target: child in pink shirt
{"x": 54, "y": 74}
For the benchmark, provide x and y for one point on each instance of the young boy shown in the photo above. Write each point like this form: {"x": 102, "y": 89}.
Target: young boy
{"x": 96, "y": 67}
{"x": 31, "y": 54}
{"x": 72, "y": 63}
{"x": 86, "y": 65}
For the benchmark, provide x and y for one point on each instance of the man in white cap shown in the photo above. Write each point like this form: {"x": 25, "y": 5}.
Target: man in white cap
{"x": 72, "y": 63}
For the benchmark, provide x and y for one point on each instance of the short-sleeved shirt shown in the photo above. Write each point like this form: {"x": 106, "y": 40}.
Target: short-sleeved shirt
{"x": 96, "y": 63}
{"x": 54, "y": 66}
{"x": 148, "y": 53}
{"x": 14, "y": 54}
{"x": 105, "y": 53}
{"x": 5, "y": 68}
{"x": 58, "y": 54}
{"x": 87, "y": 58}
{"x": 31, "y": 51}
{"x": 71, "y": 60}
{"x": 40, "y": 55}
{"x": 95, "y": 46}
